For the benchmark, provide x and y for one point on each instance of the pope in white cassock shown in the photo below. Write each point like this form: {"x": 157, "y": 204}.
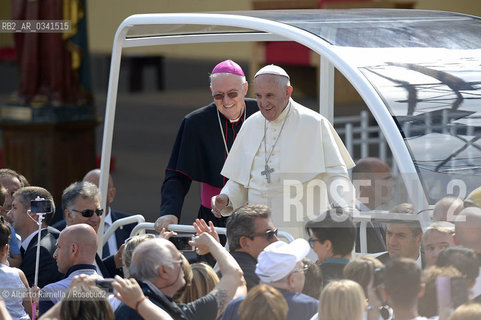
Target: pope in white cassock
{"x": 287, "y": 157}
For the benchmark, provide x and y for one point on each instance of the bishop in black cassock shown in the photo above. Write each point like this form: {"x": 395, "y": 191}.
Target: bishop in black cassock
{"x": 202, "y": 144}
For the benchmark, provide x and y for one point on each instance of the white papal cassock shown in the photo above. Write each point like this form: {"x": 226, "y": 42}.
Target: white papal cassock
{"x": 307, "y": 158}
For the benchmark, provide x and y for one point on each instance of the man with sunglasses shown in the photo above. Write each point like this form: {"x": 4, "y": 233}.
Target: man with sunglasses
{"x": 121, "y": 234}
{"x": 203, "y": 143}
{"x": 249, "y": 230}
{"x": 81, "y": 204}
{"x": 25, "y": 223}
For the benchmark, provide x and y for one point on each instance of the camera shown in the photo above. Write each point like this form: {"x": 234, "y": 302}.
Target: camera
{"x": 181, "y": 242}
{"x": 40, "y": 206}
{"x": 105, "y": 284}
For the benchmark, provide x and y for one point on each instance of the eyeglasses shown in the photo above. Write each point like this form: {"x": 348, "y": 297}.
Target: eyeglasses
{"x": 87, "y": 213}
{"x": 312, "y": 241}
{"x": 302, "y": 269}
{"x": 230, "y": 94}
{"x": 180, "y": 262}
{"x": 269, "y": 234}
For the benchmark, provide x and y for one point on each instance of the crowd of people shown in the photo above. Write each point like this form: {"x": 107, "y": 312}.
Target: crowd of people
{"x": 242, "y": 160}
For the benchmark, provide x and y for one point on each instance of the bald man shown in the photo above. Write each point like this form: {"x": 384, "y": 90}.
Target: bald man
{"x": 468, "y": 234}
{"x": 75, "y": 255}
{"x": 447, "y": 208}
{"x": 122, "y": 233}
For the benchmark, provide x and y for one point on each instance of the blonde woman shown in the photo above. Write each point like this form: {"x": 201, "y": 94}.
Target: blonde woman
{"x": 263, "y": 302}
{"x": 342, "y": 300}
{"x": 203, "y": 281}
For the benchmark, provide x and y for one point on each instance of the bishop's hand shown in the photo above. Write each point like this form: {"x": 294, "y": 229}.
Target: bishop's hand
{"x": 219, "y": 202}
{"x": 164, "y": 221}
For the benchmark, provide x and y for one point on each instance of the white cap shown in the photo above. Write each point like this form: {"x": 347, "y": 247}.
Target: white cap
{"x": 279, "y": 259}
{"x": 272, "y": 69}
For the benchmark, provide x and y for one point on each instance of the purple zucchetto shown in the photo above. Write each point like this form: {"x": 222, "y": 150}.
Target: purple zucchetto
{"x": 228, "y": 66}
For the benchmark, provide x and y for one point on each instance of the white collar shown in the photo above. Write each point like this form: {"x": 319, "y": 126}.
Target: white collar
{"x": 240, "y": 116}
{"x": 419, "y": 260}
{"x": 27, "y": 240}
{"x": 108, "y": 218}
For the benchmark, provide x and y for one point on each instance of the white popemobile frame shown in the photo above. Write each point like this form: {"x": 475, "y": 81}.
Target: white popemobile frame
{"x": 259, "y": 29}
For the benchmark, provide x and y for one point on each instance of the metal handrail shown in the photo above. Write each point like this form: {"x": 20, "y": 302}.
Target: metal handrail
{"x": 122, "y": 222}
{"x": 141, "y": 227}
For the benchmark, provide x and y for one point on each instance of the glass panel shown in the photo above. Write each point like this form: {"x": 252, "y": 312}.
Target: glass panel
{"x": 152, "y": 30}
{"x": 376, "y": 177}
{"x": 436, "y": 104}
{"x": 364, "y": 28}
{"x": 384, "y": 28}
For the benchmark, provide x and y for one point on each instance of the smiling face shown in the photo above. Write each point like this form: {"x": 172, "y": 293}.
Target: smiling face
{"x": 73, "y": 215}
{"x": 272, "y": 94}
{"x": 223, "y": 85}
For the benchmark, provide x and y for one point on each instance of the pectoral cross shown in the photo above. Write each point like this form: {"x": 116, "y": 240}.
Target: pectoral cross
{"x": 267, "y": 172}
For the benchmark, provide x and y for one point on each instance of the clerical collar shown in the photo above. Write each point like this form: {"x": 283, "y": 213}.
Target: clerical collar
{"x": 240, "y": 116}
{"x": 283, "y": 114}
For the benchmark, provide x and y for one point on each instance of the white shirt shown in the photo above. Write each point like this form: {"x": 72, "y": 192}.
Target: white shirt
{"x": 112, "y": 241}
{"x": 27, "y": 240}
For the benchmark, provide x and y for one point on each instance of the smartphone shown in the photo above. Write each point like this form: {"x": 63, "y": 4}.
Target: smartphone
{"x": 181, "y": 241}
{"x": 40, "y": 206}
{"x": 105, "y": 284}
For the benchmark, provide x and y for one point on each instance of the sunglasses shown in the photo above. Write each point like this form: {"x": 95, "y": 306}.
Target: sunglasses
{"x": 269, "y": 234}
{"x": 230, "y": 94}
{"x": 87, "y": 213}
